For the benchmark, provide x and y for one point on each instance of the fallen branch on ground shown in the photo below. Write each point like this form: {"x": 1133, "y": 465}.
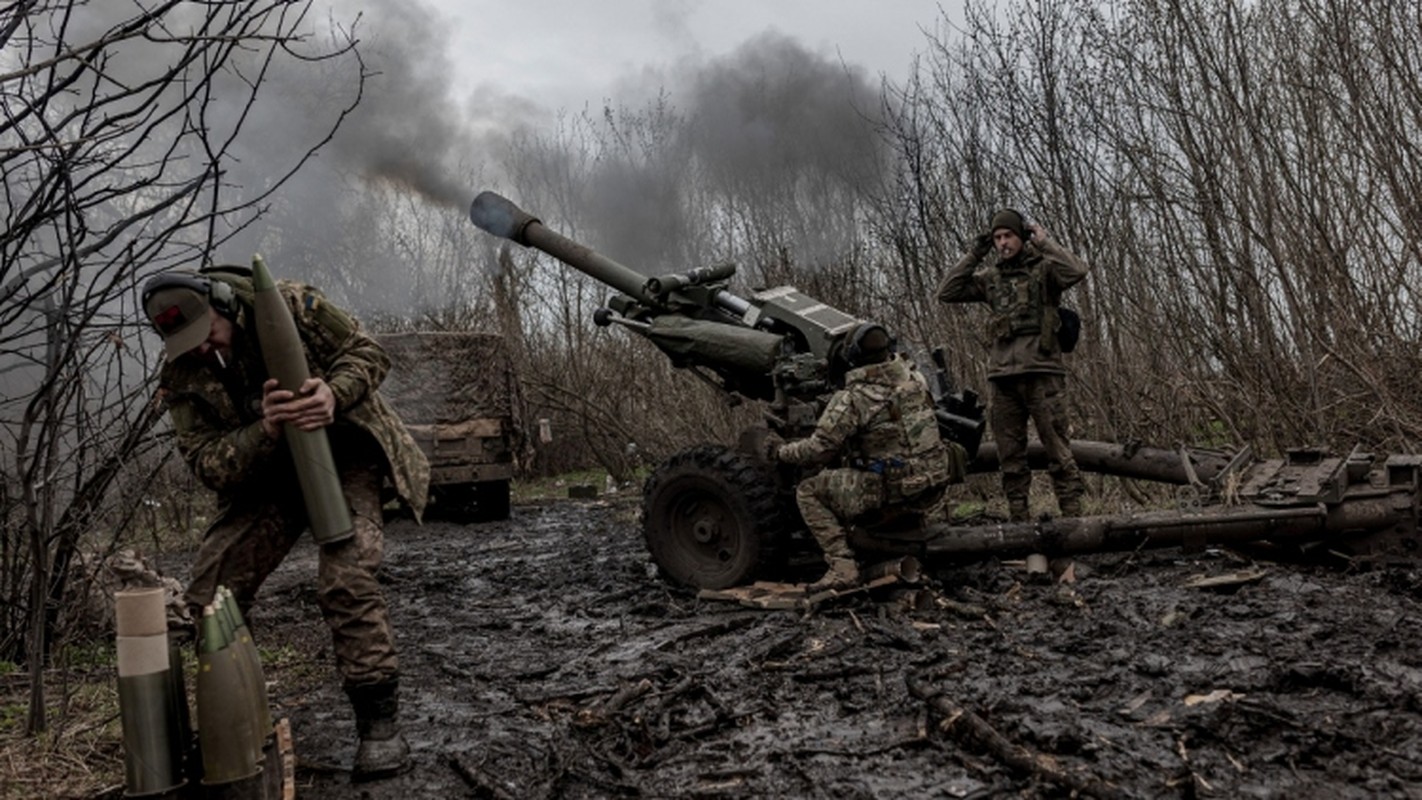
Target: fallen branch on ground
{"x": 970, "y": 728}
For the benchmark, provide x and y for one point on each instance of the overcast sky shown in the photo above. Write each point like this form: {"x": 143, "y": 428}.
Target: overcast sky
{"x": 564, "y": 54}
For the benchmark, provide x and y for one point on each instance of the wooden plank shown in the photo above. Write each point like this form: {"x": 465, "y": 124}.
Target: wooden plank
{"x": 286, "y": 751}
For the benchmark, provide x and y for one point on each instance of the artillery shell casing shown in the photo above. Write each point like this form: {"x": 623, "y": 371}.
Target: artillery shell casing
{"x": 905, "y": 568}
{"x": 223, "y": 605}
{"x": 1037, "y": 564}
{"x": 180, "y": 721}
{"x": 326, "y": 505}
{"x": 225, "y": 726}
{"x": 252, "y": 663}
{"x": 151, "y": 742}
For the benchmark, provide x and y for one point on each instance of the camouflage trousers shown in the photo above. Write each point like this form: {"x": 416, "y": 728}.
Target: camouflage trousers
{"x": 832, "y": 497}
{"x": 249, "y": 539}
{"x": 1039, "y": 398}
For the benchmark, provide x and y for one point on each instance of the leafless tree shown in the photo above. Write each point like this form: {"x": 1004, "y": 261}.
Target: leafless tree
{"x": 1239, "y": 175}
{"x": 121, "y": 123}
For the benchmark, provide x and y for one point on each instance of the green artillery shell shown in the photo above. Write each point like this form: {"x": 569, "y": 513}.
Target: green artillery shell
{"x": 223, "y": 710}
{"x": 311, "y": 450}
{"x": 145, "y": 694}
{"x": 222, "y": 608}
{"x": 252, "y": 661}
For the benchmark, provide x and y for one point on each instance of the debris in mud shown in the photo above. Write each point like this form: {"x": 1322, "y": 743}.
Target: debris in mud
{"x": 544, "y": 658}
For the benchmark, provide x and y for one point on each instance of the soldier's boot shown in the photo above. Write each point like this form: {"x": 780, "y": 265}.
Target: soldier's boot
{"x": 843, "y": 573}
{"x": 383, "y": 752}
{"x": 1017, "y": 511}
{"x": 1070, "y": 506}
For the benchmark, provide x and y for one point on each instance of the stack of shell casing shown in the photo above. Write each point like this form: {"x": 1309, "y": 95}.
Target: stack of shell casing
{"x": 153, "y": 705}
{"x": 233, "y": 718}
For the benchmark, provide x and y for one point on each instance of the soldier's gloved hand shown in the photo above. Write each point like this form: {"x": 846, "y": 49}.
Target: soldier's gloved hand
{"x": 982, "y": 245}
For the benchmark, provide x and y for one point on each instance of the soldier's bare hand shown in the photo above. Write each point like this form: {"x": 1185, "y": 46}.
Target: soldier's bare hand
{"x": 310, "y": 408}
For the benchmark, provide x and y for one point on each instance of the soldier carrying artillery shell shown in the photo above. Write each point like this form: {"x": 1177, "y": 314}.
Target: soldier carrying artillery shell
{"x": 238, "y": 430}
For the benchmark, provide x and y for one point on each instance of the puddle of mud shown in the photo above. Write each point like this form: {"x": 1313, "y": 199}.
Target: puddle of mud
{"x": 543, "y": 659}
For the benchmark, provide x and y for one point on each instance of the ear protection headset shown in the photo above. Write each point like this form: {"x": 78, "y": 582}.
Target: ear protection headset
{"x": 854, "y": 350}
{"x": 218, "y": 293}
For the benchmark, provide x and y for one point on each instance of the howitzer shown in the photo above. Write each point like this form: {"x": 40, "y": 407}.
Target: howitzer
{"x": 717, "y": 516}
{"x": 777, "y": 345}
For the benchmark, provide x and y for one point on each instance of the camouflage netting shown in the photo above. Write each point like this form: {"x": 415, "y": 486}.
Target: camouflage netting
{"x": 99, "y": 578}
{"x": 438, "y": 378}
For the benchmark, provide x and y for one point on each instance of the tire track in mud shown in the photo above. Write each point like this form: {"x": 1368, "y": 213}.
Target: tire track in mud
{"x": 543, "y": 658}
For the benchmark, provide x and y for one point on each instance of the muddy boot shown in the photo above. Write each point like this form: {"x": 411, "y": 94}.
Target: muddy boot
{"x": 1070, "y": 506}
{"x": 843, "y": 573}
{"x": 383, "y": 752}
{"x": 1017, "y": 511}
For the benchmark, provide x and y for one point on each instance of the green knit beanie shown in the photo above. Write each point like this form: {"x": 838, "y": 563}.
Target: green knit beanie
{"x": 1011, "y": 220}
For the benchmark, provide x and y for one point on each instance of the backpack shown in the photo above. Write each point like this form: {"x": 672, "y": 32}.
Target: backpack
{"x": 1070, "y": 330}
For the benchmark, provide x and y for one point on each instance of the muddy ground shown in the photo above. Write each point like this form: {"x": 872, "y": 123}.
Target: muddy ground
{"x": 543, "y": 658}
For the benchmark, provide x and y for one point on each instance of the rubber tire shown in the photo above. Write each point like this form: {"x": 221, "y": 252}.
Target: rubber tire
{"x": 453, "y": 502}
{"x": 464, "y": 503}
{"x": 711, "y": 518}
{"x": 491, "y": 501}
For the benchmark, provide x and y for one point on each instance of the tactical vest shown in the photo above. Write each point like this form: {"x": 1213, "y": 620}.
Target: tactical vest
{"x": 904, "y": 438}
{"x": 1016, "y": 299}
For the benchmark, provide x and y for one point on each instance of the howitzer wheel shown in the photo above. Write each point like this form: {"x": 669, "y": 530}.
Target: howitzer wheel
{"x": 711, "y": 518}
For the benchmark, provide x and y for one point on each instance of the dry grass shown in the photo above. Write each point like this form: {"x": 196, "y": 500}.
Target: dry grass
{"x": 81, "y": 753}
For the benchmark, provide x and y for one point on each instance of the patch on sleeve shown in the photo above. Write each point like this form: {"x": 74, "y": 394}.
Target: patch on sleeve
{"x": 311, "y": 301}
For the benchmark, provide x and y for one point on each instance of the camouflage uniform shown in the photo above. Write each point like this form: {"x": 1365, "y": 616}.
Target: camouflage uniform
{"x": 882, "y": 424}
{"x": 1025, "y": 365}
{"x": 216, "y": 415}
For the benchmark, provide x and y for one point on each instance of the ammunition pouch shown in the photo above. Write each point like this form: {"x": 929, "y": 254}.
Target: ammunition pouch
{"x": 906, "y": 479}
{"x": 1010, "y": 326}
{"x": 878, "y": 466}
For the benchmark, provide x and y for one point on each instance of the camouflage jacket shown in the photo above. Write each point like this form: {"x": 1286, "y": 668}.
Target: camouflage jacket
{"x": 882, "y": 421}
{"x": 1024, "y": 296}
{"x": 217, "y": 416}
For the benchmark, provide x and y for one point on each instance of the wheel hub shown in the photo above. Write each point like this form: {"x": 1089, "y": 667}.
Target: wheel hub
{"x": 706, "y": 530}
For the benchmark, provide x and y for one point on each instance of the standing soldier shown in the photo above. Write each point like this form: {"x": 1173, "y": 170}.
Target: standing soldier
{"x": 1023, "y": 287}
{"x": 228, "y": 416}
{"x": 882, "y": 427}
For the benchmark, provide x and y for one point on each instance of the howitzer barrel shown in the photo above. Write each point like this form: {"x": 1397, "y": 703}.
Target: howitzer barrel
{"x": 498, "y": 215}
